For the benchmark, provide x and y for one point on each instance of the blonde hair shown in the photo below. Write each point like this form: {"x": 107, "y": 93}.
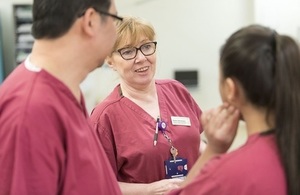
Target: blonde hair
{"x": 131, "y": 29}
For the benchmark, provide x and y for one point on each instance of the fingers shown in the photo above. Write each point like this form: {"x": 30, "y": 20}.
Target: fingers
{"x": 165, "y": 185}
{"x": 219, "y": 115}
{"x": 225, "y": 109}
{"x": 220, "y": 126}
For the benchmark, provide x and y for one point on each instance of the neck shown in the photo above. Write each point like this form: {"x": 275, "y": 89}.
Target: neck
{"x": 256, "y": 120}
{"x": 141, "y": 93}
{"x": 62, "y": 61}
{"x": 146, "y": 98}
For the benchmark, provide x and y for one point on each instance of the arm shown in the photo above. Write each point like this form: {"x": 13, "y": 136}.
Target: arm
{"x": 220, "y": 126}
{"x": 36, "y": 157}
{"x": 158, "y": 187}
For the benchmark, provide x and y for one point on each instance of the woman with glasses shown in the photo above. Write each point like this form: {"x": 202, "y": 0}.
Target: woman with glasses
{"x": 259, "y": 80}
{"x": 149, "y": 128}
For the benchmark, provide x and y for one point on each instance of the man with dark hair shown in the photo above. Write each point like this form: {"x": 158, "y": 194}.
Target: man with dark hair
{"x": 47, "y": 145}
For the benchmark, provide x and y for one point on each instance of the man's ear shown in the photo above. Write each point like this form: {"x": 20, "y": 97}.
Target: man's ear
{"x": 88, "y": 21}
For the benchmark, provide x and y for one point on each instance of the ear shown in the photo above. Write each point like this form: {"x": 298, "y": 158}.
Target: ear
{"x": 231, "y": 90}
{"x": 109, "y": 60}
{"x": 89, "y": 21}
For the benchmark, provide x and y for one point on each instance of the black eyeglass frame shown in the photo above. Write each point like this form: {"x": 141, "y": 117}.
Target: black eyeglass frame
{"x": 109, "y": 14}
{"x": 104, "y": 13}
{"x": 137, "y": 49}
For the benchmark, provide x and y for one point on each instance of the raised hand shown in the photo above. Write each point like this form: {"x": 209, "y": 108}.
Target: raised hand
{"x": 220, "y": 126}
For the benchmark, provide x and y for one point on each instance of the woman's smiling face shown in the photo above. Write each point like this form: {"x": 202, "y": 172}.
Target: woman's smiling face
{"x": 138, "y": 71}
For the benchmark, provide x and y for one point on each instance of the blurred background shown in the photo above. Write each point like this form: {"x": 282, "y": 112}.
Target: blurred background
{"x": 189, "y": 34}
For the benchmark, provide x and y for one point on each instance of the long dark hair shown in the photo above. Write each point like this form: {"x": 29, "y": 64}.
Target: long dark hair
{"x": 267, "y": 65}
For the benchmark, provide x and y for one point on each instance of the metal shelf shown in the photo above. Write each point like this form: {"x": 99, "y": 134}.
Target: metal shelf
{"x": 23, "y": 37}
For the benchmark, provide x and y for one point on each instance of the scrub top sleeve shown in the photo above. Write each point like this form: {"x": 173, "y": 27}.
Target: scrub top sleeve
{"x": 40, "y": 157}
{"x": 191, "y": 102}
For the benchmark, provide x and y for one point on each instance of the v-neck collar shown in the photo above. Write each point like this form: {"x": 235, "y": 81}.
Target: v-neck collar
{"x": 141, "y": 112}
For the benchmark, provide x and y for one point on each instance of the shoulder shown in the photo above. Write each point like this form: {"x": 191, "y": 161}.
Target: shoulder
{"x": 171, "y": 85}
{"x": 169, "y": 82}
{"x": 108, "y": 105}
{"x": 256, "y": 159}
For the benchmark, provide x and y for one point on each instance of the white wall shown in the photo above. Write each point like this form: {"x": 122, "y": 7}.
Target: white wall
{"x": 282, "y": 15}
{"x": 189, "y": 34}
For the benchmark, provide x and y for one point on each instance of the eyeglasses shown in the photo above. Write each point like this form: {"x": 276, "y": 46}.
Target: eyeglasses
{"x": 129, "y": 53}
{"x": 104, "y": 13}
{"x": 109, "y": 14}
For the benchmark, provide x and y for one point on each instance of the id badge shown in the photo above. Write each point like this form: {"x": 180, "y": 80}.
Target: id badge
{"x": 176, "y": 169}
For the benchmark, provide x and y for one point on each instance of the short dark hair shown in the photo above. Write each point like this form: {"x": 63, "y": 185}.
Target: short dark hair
{"x": 53, "y": 18}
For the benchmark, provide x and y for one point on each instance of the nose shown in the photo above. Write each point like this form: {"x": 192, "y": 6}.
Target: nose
{"x": 140, "y": 56}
